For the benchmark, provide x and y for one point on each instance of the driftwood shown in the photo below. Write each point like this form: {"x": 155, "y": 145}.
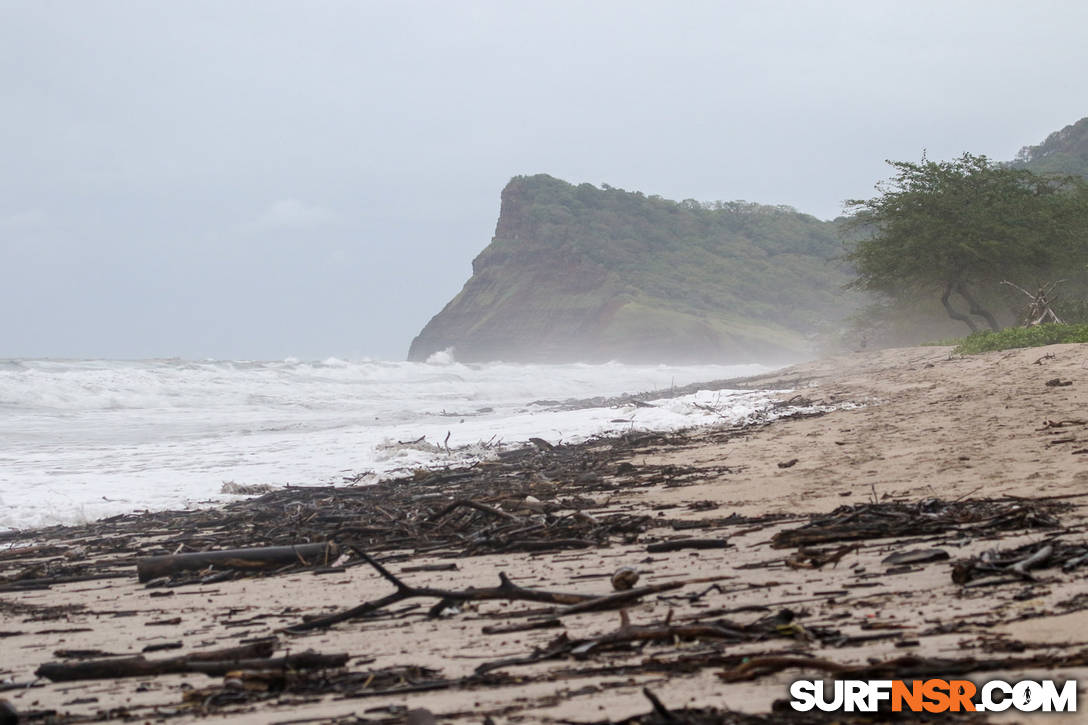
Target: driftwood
{"x": 507, "y": 590}
{"x": 678, "y": 544}
{"x": 139, "y": 666}
{"x": 629, "y": 596}
{"x": 47, "y": 582}
{"x": 300, "y": 661}
{"x": 474, "y": 505}
{"x": 153, "y": 567}
{"x": 1039, "y": 310}
{"x": 1011, "y": 565}
{"x": 777, "y": 625}
{"x": 924, "y": 518}
{"x": 915, "y": 556}
{"x": 816, "y": 558}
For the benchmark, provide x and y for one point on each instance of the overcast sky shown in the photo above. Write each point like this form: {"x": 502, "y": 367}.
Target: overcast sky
{"x": 269, "y": 179}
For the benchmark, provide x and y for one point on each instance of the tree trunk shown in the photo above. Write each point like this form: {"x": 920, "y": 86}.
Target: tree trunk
{"x": 952, "y": 311}
{"x": 977, "y": 309}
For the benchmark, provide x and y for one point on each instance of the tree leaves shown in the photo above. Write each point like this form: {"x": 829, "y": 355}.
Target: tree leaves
{"x": 965, "y": 225}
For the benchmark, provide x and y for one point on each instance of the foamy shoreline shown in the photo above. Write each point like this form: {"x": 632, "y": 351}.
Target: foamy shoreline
{"x": 90, "y": 439}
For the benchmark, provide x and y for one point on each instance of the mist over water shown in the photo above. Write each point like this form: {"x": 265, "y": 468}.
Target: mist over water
{"x": 85, "y": 439}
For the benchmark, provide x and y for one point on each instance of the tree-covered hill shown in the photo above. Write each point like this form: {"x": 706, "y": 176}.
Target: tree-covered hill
{"x": 1063, "y": 152}
{"x": 592, "y": 274}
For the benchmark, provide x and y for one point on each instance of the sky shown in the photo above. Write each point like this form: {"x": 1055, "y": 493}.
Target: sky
{"x": 272, "y": 179}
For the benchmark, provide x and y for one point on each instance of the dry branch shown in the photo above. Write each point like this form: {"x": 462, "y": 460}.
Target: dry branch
{"x": 506, "y": 590}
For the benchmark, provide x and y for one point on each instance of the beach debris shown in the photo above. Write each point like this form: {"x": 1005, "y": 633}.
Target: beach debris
{"x": 915, "y": 556}
{"x": 459, "y": 503}
{"x": 507, "y": 590}
{"x": 252, "y": 686}
{"x": 562, "y": 502}
{"x": 624, "y": 578}
{"x": 887, "y": 519}
{"x": 795, "y": 401}
{"x": 1000, "y": 566}
{"x": 524, "y": 627}
{"x": 250, "y": 656}
{"x": 550, "y": 500}
{"x": 420, "y": 716}
{"x": 245, "y": 489}
{"x": 1038, "y": 310}
{"x": 153, "y": 567}
{"x": 1051, "y": 424}
{"x": 815, "y": 558}
{"x": 678, "y": 544}
{"x": 79, "y": 654}
{"x": 161, "y": 646}
{"x": 781, "y": 624}
{"x": 788, "y": 464}
{"x": 659, "y": 707}
{"x": 1058, "y": 383}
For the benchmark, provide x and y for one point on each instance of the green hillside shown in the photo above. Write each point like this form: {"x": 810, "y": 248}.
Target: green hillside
{"x": 588, "y": 273}
{"x": 1063, "y": 152}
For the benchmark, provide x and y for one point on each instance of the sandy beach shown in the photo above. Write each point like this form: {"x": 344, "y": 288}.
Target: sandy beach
{"x": 962, "y": 455}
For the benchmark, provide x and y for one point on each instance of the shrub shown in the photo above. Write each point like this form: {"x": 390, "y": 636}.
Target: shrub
{"x": 1014, "y": 337}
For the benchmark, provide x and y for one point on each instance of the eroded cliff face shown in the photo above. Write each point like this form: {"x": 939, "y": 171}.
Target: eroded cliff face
{"x": 588, "y": 274}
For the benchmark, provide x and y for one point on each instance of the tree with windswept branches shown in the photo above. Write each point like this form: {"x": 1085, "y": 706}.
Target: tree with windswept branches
{"x": 958, "y": 228}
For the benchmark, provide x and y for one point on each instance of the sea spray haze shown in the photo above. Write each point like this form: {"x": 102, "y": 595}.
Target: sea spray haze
{"x": 89, "y": 438}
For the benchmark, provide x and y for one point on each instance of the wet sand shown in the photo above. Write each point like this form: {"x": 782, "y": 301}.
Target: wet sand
{"x": 906, "y": 425}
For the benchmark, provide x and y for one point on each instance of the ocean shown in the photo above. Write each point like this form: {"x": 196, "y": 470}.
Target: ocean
{"x": 86, "y": 439}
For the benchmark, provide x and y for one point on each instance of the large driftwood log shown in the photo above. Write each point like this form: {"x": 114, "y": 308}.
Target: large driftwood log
{"x": 321, "y": 554}
{"x": 139, "y": 666}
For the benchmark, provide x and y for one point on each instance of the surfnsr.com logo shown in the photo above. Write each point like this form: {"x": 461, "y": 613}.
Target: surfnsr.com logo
{"x": 933, "y": 695}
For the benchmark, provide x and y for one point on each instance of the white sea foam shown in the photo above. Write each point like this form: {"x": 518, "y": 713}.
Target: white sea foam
{"x": 80, "y": 440}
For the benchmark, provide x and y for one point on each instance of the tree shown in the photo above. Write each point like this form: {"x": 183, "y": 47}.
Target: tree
{"x": 961, "y": 227}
